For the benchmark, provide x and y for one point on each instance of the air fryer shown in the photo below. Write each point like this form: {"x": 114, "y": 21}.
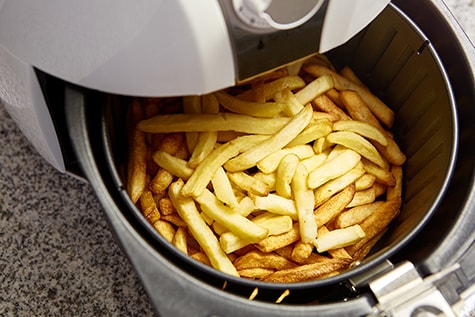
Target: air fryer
{"x": 416, "y": 59}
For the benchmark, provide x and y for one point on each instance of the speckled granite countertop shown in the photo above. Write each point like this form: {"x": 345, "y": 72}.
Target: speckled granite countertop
{"x": 57, "y": 255}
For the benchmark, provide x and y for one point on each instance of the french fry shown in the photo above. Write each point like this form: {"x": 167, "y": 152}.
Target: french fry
{"x": 187, "y": 210}
{"x": 160, "y": 182}
{"x": 255, "y": 272}
{"x": 379, "y": 108}
{"x": 334, "y": 186}
{"x": 137, "y": 161}
{"x": 334, "y": 252}
{"x": 148, "y": 206}
{"x": 348, "y": 73}
{"x": 249, "y": 184}
{"x": 272, "y": 243}
{"x": 224, "y": 121}
{"x": 362, "y": 128}
{"x": 307, "y": 272}
{"x": 277, "y": 141}
{"x": 358, "y": 144}
{"x": 225, "y": 216}
{"x": 270, "y": 163}
{"x": 312, "y": 132}
{"x": 301, "y": 251}
{"x": 356, "y": 215}
{"x": 179, "y": 240}
{"x": 314, "y": 89}
{"x": 223, "y": 189}
{"x": 334, "y": 168}
{"x": 277, "y": 204}
{"x": 339, "y": 238}
{"x": 276, "y": 86}
{"x": 376, "y": 222}
{"x": 257, "y": 259}
{"x": 173, "y": 165}
{"x": 382, "y": 175}
{"x": 334, "y": 206}
{"x": 208, "y": 167}
{"x": 250, "y": 108}
{"x": 165, "y": 229}
{"x": 304, "y": 201}
{"x": 293, "y": 105}
{"x": 365, "y": 181}
{"x": 314, "y": 161}
{"x": 325, "y": 104}
{"x": 396, "y": 190}
{"x": 363, "y": 197}
{"x": 285, "y": 173}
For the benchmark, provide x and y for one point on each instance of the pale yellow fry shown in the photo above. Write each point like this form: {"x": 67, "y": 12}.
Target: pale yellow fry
{"x": 249, "y": 184}
{"x": 321, "y": 145}
{"x": 277, "y": 205}
{"x": 363, "y": 197}
{"x": 334, "y": 253}
{"x": 358, "y": 144}
{"x": 276, "y": 86}
{"x": 314, "y": 161}
{"x": 223, "y": 189}
{"x": 362, "y": 128}
{"x": 275, "y": 142}
{"x": 173, "y": 164}
{"x": 312, "y": 132}
{"x": 334, "y": 186}
{"x": 379, "y": 108}
{"x": 268, "y": 178}
{"x": 208, "y": 167}
{"x": 225, "y": 121}
{"x": 314, "y": 89}
{"x": 229, "y": 219}
{"x": 396, "y": 190}
{"x": 365, "y": 181}
{"x": 339, "y": 238}
{"x": 304, "y": 201}
{"x": 245, "y": 207}
{"x": 285, "y": 173}
{"x": 293, "y": 105}
{"x": 204, "y": 145}
{"x": 256, "y": 109}
{"x": 270, "y": 163}
{"x": 356, "y": 215}
{"x": 188, "y": 211}
{"x": 382, "y": 175}
{"x": 333, "y": 168}
{"x": 191, "y": 105}
{"x": 275, "y": 225}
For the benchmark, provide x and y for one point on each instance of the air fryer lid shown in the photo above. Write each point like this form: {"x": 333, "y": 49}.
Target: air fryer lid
{"x": 405, "y": 71}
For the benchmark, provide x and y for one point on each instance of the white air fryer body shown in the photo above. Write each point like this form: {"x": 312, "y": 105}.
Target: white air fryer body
{"x": 139, "y": 48}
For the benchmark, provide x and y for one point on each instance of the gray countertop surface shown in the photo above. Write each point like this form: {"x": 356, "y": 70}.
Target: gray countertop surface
{"x": 57, "y": 254}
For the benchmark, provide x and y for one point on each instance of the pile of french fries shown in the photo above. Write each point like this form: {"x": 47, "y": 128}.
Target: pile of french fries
{"x": 289, "y": 177}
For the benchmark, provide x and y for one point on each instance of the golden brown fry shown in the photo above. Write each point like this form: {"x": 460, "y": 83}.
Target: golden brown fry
{"x": 363, "y": 197}
{"x": 356, "y": 215}
{"x": 255, "y": 272}
{"x": 273, "y": 243}
{"x": 166, "y": 206}
{"x": 308, "y": 271}
{"x": 255, "y": 259}
{"x": 382, "y": 175}
{"x": 301, "y": 251}
{"x": 165, "y": 229}
{"x": 148, "y": 206}
{"x": 180, "y": 240}
{"x": 174, "y": 219}
{"x": 334, "y": 96}
{"x": 160, "y": 182}
{"x": 348, "y": 73}
{"x": 379, "y": 108}
{"x": 396, "y": 190}
{"x": 377, "y": 222}
{"x": 334, "y": 206}
{"x": 325, "y": 104}
{"x": 137, "y": 164}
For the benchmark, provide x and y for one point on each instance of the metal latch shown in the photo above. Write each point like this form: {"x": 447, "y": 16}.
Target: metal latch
{"x": 401, "y": 291}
